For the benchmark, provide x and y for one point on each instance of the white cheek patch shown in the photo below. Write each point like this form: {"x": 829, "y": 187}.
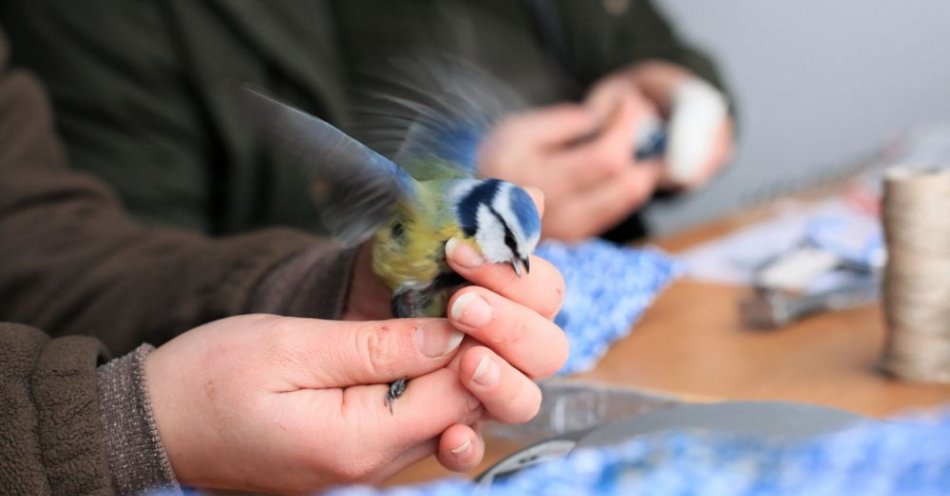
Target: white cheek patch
{"x": 490, "y": 236}
{"x": 502, "y": 205}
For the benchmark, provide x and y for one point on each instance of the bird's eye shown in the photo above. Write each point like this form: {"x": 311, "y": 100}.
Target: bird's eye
{"x": 510, "y": 242}
{"x": 509, "y": 237}
{"x": 398, "y": 232}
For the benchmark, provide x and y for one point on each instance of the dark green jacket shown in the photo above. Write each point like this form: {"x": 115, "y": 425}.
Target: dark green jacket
{"x": 141, "y": 88}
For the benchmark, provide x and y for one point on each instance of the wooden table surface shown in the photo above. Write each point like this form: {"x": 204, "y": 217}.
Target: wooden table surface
{"x": 691, "y": 341}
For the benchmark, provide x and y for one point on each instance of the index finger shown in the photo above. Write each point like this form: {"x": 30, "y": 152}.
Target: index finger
{"x": 540, "y": 289}
{"x": 341, "y": 354}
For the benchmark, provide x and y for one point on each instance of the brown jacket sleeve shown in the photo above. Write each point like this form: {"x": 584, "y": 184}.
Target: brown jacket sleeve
{"x": 70, "y": 427}
{"x": 51, "y": 439}
{"x": 71, "y": 260}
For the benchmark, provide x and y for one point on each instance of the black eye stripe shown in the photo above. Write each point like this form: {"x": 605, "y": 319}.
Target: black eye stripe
{"x": 509, "y": 236}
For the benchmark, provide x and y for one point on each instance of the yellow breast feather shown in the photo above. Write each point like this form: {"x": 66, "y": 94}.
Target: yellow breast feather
{"x": 410, "y": 249}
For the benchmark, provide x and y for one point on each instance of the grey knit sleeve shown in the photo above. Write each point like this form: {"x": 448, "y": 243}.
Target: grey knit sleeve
{"x": 137, "y": 459}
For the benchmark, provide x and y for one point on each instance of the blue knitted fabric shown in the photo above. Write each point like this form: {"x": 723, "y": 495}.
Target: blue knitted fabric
{"x": 607, "y": 289}
{"x": 902, "y": 457}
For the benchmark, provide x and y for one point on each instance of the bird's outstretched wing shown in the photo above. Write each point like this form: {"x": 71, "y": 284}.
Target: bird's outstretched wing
{"x": 430, "y": 112}
{"x": 355, "y": 189}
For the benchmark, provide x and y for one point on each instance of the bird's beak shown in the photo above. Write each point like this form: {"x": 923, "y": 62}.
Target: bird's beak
{"x": 518, "y": 263}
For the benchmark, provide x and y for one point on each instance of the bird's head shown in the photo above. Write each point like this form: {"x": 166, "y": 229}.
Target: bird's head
{"x": 502, "y": 218}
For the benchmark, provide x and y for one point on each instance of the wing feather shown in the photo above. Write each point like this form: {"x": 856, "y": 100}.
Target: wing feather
{"x": 356, "y": 190}
{"x": 430, "y": 113}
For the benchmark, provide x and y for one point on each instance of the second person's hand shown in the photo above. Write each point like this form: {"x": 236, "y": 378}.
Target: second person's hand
{"x": 581, "y": 158}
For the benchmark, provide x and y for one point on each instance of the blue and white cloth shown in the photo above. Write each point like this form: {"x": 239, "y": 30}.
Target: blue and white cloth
{"x": 607, "y": 289}
{"x": 908, "y": 457}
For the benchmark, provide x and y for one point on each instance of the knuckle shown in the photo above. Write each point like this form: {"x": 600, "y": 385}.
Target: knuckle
{"x": 472, "y": 410}
{"x": 379, "y": 346}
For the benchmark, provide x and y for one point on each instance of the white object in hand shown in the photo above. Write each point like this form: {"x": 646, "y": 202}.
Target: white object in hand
{"x": 698, "y": 109}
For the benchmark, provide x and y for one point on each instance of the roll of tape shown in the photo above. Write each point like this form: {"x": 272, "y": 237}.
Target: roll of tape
{"x": 917, "y": 274}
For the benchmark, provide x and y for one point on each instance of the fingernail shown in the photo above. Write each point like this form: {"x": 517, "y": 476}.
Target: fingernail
{"x": 472, "y": 310}
{"x": 463, "y": 254}
{"x": 462, "y": 448}
{"x": 486, "y": 373}
{"x": 437, "y": 341}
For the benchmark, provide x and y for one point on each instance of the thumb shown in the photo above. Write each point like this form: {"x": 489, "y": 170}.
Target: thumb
{"x": 343, "y": 354}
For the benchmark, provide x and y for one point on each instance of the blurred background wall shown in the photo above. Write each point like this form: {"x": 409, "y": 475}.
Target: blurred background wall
{"x": 819, "y": 84}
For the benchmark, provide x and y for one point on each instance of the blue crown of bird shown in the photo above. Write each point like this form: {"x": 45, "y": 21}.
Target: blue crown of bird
{"x": 413, "y": 204}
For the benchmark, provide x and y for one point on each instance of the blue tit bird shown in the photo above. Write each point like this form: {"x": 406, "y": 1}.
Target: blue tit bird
{"x": 413, "y": 204}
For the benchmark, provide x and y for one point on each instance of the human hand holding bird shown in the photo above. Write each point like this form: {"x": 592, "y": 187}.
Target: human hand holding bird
{"x": 309, "y": 391}
{"x": 306, "y": 383}
{"x": 414, "y": 207}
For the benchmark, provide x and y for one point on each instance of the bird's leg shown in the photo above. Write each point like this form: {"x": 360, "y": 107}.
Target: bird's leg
{"x": 420, "y": 300}
{"x": 396, "y": 389}
{"x": 410, "y": 301}
{"x": 406, "y": 302}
